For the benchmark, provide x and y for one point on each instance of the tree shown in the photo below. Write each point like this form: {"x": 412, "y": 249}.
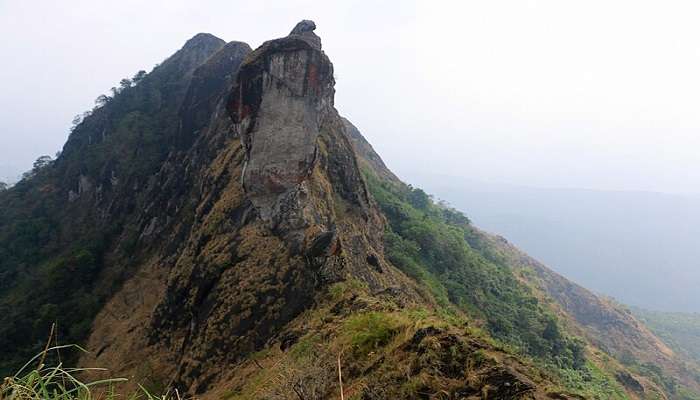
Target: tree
{"x": 76, "y": 121}
{"x": 138, "y": 77}
{"x": 102, "y": 99}
{"x": 125, "y": 83}
{"x": 41, "y": 163}
{"x": 419, "y": 199}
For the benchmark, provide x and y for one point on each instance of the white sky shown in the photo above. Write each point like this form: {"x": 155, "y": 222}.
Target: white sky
{"x": 594, "y": 94}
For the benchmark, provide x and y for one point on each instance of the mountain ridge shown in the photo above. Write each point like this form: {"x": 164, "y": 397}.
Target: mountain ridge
{"x": 235, "y": 237}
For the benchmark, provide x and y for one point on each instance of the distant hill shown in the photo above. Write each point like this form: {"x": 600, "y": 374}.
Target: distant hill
{"x": 633, "y": 246}
{"x": 681, "y": 331}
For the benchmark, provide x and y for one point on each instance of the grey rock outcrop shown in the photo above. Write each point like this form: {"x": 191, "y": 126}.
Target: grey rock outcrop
{"x": 303, "y": 26}
{"x": 305, "y": 29}
{"x": 283, "y": 95}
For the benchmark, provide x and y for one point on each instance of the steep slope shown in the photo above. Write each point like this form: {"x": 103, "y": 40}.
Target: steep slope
{"x": 62, "y": 227}
{"x": 218, "y": 228}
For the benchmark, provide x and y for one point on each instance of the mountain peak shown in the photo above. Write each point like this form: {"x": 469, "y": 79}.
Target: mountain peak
{"x": 203, "y": 39}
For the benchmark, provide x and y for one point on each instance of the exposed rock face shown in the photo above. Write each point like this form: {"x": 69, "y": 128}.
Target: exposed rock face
{"x": 282, "y": 98}
{"x": 195, "y": 51}
{"x": 209, "y": 83}
{"x": 266, "y": 207}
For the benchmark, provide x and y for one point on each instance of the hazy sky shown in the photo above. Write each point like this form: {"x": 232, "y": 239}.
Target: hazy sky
{"x": 594, "y": 94}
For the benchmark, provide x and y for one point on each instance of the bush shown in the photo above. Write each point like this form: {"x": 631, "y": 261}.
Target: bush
{"x": 371, "y": 331}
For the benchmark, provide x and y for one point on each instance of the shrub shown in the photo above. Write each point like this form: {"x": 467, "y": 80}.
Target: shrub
{"x": 371, "y": 331}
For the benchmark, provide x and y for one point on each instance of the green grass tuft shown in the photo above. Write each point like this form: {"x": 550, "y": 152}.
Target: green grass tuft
{"x": 38, "y": 381}
{"x": 371, "y": 331}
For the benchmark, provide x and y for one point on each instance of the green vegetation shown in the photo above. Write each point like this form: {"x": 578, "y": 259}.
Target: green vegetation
{"x": 656, "y": 374}
{"x": 592, "y": 383}
{"x": 39, "y": 381}
{"x": 437, "y": 246}
{"x": 370, "y": 331}
{"x": 58, "y": 223}
{"x": 428, "y": 242}
{"x": 57, "y": 290}
{"x": 681, "y": 331}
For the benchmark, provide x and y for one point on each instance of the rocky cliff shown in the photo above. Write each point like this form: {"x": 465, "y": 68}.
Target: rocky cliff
{"x": 269, "y": 208}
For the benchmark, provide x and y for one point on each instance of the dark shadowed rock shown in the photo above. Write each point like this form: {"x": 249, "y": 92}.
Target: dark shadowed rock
{"x": 208, "y": 85}
{"x": 320, "y": 244}
{"x": 629, "y": 381}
